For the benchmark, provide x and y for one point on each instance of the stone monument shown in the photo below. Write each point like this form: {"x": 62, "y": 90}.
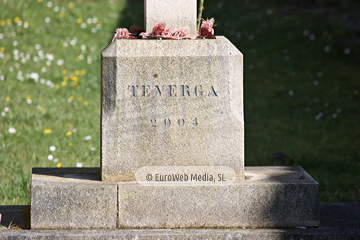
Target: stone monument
{"x": 171, "y": 103}
{"x": 172, "y": 144}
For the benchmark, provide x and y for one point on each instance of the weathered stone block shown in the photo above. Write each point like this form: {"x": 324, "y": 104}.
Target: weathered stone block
{"x": 268, "y": 197}
{"x": 72, "y": 198}
{"x": 171, "y": 103}
{"x": 174, "y": 13}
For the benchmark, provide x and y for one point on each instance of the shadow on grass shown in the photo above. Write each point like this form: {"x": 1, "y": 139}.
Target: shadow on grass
{"x": 133, "y": 14}
{"x": 301, "y": 90}
{"x": 15, "y": 216}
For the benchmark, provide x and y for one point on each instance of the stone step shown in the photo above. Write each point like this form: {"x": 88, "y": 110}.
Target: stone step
{"x": 339, "y": 221}
{"x": 268, "y": 197}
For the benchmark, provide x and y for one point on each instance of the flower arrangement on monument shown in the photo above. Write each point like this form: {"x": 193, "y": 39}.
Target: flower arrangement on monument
{"x": 160, "y": 31}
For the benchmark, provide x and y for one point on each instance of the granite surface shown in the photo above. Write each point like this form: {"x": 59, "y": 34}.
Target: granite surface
{"x": 174, "y": 13}
{"x": 171, "y": 103}
{"x": 72, "y": 198}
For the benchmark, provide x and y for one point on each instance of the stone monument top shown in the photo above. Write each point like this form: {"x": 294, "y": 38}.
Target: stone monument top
{"x": 175, "y": 14}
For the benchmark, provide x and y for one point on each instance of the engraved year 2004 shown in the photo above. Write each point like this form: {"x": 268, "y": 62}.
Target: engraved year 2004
{"x": 167, "y": 122}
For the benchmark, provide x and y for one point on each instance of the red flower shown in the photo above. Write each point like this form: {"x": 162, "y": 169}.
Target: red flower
{"x": 179, "y": 34}
{"x": 206, "y": 29}
{"x": 121, "y": 33}
{"x": 160, "y": 30}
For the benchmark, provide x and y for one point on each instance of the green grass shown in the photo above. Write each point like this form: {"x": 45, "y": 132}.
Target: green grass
{"x": 289, "y": 80}
{"x": 51, "y": 106}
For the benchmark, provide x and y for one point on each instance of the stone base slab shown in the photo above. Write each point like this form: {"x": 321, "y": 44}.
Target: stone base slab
{"x": 269, "y": 197}
{"x": 71, "y": 198}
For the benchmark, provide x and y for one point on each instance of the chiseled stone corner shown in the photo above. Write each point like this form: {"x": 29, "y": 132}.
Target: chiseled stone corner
{"x": 269, "y": 197}
{"x": 175, "y": 14}
{"x": 171, "y": 103}
{"x": 72, "y": 198}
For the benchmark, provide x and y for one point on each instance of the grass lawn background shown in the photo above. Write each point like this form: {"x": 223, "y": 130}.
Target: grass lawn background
{"x": 302, "y": 85}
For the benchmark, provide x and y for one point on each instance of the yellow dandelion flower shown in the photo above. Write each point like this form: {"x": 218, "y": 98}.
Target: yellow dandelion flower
{"x": 9, "y": 21}
{"x": 7, "y": 99}
{"x": 62, "y": 14}
{"x": 42, "y": 108}
{"x": 68, "y": 133}
{"x": 47, "y": 131}
{"x": 77, "y": 72}
{"x": 70, "y": 143}
{"x": 2, "y": 23}
{"x": 40, "y": 0}
{"x": 2, "y": 49}
{"x": 17, "y": 19}
{"x": 71, "y": 5}
{"x": 64, "y": 71}
{"x": 28, "y": 97}
{"x": 57, "y": 86}
{"x": 74, "y": 78}
{"x": 86, "y": 103}
{"x": 82, "y": 72}
{"x": 80, "y": 98}
{"x": 58, "y": 165}
{"x": 79, "y": 20}
{"x": 64, "y": 83}
{"x": 69, "y": 125}
{"x": 71, "y": 98}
